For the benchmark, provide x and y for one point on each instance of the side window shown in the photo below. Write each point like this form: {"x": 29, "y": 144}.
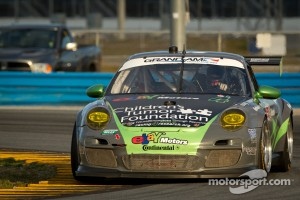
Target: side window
{"x": 65, "y": 39}
{"x": 252, "y": 76}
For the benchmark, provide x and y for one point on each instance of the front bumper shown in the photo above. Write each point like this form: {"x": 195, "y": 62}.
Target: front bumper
{"x": 86, "y": 171}
{"x": 208, "y": 163}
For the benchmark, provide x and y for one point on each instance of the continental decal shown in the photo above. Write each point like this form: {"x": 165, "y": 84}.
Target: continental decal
{"x": 160, "y": 148}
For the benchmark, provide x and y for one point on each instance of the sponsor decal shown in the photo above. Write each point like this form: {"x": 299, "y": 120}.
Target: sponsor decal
{"x": 134, "y": 98}
{"x": 256, "y": 108}
{"x": 157, "y": 137}
{"x": 250, "y": 150}
{"x": 268, "y": 112}
{"x": 252, "y": 134}
{"x": 245, "y": 103}
{"x": 171, "y": 122}
{"x": 186, "y": 60}
{"x": 146, "y": 138}
{"x": 160, "y": 148}
{"x": 109, "y": 131}
{"x": 259, "y": 60}
{"x": 199, "y": 112}
{"x": 173, "y": 141}
{"x": 220, "y": 99}
{"x": 117, "y": 136}
{"x": 162, "y": 115}
{"x": 172, "y": 98}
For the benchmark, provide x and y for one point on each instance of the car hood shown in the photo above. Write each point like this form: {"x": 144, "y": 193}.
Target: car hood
{"x": 169, "y": 110}
{"x": 28, "y": 53}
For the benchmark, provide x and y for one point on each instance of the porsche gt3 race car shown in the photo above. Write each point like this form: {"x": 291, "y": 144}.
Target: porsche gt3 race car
{"x": 189, "y": 114}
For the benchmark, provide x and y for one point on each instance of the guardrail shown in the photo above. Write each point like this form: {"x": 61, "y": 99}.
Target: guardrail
{"x": 26, "y": 88}
{"x": 288, "y": 83}
{"x": 69, "y": 88}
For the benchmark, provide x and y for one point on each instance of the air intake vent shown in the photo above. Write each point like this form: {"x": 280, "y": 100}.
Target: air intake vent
{"x": 102, "y": 141}
{"x": 173, "y": 49}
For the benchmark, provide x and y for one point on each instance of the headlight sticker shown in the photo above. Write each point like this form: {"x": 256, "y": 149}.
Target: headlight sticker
{"x": 233, "y": 119}
{"x": 97, "y": 118}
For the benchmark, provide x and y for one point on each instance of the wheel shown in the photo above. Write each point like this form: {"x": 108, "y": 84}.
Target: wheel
{"x": 75, "y": 160}
{"x": 265, "y": 149}
{"x": 287, "y": 154}
{"x": 74, "y": 155}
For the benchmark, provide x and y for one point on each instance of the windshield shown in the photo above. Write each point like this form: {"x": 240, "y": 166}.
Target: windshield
{"x": 167, "y": 79}
{"x": 27, "y": 38}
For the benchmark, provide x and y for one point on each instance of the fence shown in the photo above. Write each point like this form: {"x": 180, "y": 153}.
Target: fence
{"x": 116, "y": 50}
{"x": 22, "y": 88}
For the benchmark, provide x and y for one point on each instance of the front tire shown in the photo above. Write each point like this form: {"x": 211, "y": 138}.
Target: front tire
{"x": 265, "y": 149}
{"x": 75, "y": 160}
{"x": 287, "y": 154}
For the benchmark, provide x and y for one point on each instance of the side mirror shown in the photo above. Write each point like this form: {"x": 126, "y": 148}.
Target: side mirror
{"x": 268, "y": 92}
{"x": 95, "y": 91}
{"x": 71, "y": 46}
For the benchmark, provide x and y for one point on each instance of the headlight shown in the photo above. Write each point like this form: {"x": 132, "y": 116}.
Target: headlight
{"x": 41, "y": 67}
{"x": 233, "y": 119}
{"x": 97, "y": 118}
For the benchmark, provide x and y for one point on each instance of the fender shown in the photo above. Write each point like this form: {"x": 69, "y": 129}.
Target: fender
{"x": 287, "y": 114}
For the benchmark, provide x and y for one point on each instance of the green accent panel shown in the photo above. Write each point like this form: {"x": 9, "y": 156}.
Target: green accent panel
{"x": 163, "y": 140}
{"x": 282, "y": 130}
{"x": 274, "y": 131}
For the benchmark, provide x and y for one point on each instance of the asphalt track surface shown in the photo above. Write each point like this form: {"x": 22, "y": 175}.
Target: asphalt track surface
{"x": 50, "y": 128}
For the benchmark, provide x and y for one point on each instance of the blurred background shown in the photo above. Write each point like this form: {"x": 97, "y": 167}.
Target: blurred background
{"x": 123, "y": 27}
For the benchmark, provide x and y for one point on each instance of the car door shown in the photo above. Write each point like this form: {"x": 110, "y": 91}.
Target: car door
{"x": 69, "y": 60}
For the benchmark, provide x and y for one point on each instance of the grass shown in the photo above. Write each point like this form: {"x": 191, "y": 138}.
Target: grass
{"x": 19, "y": 173}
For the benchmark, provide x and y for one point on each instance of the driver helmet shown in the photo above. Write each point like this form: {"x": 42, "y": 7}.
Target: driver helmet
{"x": 214, "y": 74}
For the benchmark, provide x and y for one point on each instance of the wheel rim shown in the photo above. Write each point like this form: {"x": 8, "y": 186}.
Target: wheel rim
{"x": 266, "y": 149}
{"x": 290, "y": 141}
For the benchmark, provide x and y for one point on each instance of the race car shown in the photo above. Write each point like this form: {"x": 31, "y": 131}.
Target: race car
{"x": 183, "y": 114}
